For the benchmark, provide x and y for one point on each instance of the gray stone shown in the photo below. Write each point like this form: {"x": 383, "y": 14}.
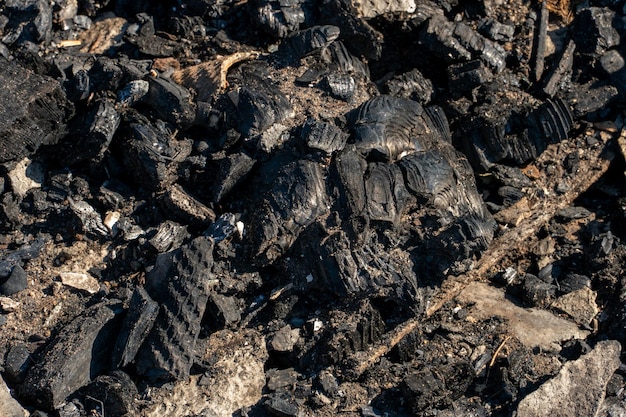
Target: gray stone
{"x": 579, "y": 387}
{"x": 9, "y": 407}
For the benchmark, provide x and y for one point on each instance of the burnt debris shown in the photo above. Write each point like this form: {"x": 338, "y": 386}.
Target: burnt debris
{"x": 269, "y": 198}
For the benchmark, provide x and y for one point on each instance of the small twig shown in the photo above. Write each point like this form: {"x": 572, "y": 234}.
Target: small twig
{"x": 497, "y": 352}
{"x": 99, "y": 402}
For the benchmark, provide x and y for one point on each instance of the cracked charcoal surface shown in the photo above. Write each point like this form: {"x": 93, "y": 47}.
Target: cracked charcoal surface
{"x": 269, "y": 193}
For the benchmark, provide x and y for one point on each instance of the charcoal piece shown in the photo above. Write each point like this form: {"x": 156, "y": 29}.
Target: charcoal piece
{"x": 411, "y": 85}
{"x": 550, "y": 123}
{"x": 153, "y": 45}
{"x": 179, "y": 283}
{"x": 232, "y": 170}
{"x": 427, "y": 174}
{"x": 561, "y": 72}
{"x": 355, "y": 32}
{"x": 223, "y": 310}
{"x": 387, "y": 196}
{"x": 573, "y": 282}
{"x": 497, "y": 31}
{"x": 16, "y": 362}
{"x": 184, "y": 208}
{"x": 138, "y": 322}
{"x": 464, "y": 77}
{"x": 260, "y": 108}
{"x": 296, "y": 199}
{"x": 302, "y": 43}
{"x": 487, "y": 51}
{"x": 224, "y": 227}
{"x": 30, "y": 20}
{"x": 351, "y": 169}
{"x": 510, "y": 195}
{"x": 437, "y": 387}
{"x": 115, "y": 392}
{"x": 151, "y": 154}
{"x": 324, "y": 136}
{"x": 133, "y": 92}
{"x": 169, "y": 235}
{"x": 595, "y": 30}
{"x": 341, "y": 85}
{"x": 539, "y": 43}
{"x": 171, "y": 102}
{"x": 25, "y": 252}
{"x": 33, "y": 111}
{"x": 387, "y": 127}
{"x": 592, "y": 97}
{"x": 15, "y": 283}
{"x": 74, "y": 357}
{"x": 536, "y": 292}
{"x": 94, "y": 134}
{"x": 281, "y": 404}
{"x": 105, "y": 75}
{"x": 437, "y": 35}
{"x": 339, "y": 58}
{"x": 279, "y": 18}
{"x": 77, "y": 88}
{"x": 89, "y": 218}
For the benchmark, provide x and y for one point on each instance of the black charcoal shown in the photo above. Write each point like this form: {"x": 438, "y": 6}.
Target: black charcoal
{"x": 183, "y": 207}
{"x": 74, "y": 357}
{"x": 302, "y": 43}
{"x": 171, "y": 102}
{"x": 31, "y": 20}
{"x": 561, "y": 73}
{"x": 324, "y": 136}
{"x": 169, "y": 235}
{"x": 539, "y": 42}
{"x": 179, "y": 284}
{"x": 232, "y": 170}
{"x": 224, "y": 311}
{"x": 595, "y": 30}
{"x": 17, "y": 361}
{"x": 15, "y": 282}
{"x": 112, "y": 394}
{"x": 411, "y": 85}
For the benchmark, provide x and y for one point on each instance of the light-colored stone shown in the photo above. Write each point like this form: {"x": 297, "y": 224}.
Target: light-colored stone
{"x": 80, "y": 281}
{"x": 580, "y": 305}
{"x": 25, "y": 176}
{"x": 235, "y": 380}
{"x": 372, "y": 8}
{"x": 579, "y": 387}
{"x": 9, "y": 407}
{"x": 8, "y": 305}
{"x": 533, "y": 327}
{"x": 284, "y": 339}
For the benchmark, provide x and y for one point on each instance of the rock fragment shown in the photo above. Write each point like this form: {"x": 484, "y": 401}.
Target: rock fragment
{"x": 580, "y": 305}
{"x": 579, "y": 388}
{"x": 80, "y": 281}
{"x": 25, "y": 176}
{"x": 15, "y": 282}
{"x": 9, "y": 406}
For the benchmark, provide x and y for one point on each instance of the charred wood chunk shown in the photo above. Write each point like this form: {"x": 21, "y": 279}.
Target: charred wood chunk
{"x": 302, "y": 43}
{"x": 77, "y": 88}
{"x": 179, "y": 284}
{"x": 438, "y": 36}
{"x": 339, "y": 58}
{"x": 74, "y": 357}
{"x": 223, "y": 311}
{"x": 539, "y": 43}
{"x": 341, "y": 85}
{"x": 260, "y": 108}
{"x": 386, "y": 128}
{"x": 115, "y": 392}
{"x": 592, "y": 97}
{"x": 324, "y": 136}
{"x": 386, "y": 194}
{"x": 427, "y": 174}
{"x": 561, "y": 73}
{"x": 181, "y": 206}
{"x": 296, "y": 199}
{"x": 464, "y": 77}
{"x": 95, "y": 133}
{"x": 171, "y": 102}
{"x": 437, "y": 386}
{"x": 595, "y": 30}
{"x": 142, "y": 313}
{"x": 279, "y": 18}
{"x": 411, "y": 85}
{"x": 497, "y": 31}
{"x": 152, "y": 154}
{"x": 550, "y": 123}
{"x": 356, "y": 32}
{"x": 31, "y": 20}
{"x": 351, "y": 168}
{"x": 169, "y": 235}
{"x": 33, "y": 111}
{"x": 232, "y": 170}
